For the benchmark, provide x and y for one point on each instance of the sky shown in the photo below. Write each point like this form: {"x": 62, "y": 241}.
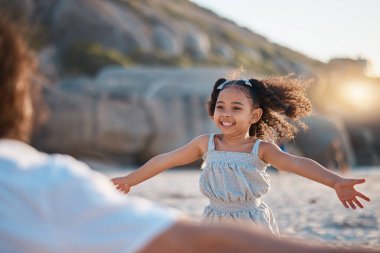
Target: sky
{"x": 320, "y": 29}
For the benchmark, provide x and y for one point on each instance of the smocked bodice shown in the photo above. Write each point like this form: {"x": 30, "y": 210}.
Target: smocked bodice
{"x": 233, "y": 176}
{"x": 235, "y": 182}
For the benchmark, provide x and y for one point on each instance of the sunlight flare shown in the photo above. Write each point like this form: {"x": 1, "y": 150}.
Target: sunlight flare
{"x": 359, "y": 95}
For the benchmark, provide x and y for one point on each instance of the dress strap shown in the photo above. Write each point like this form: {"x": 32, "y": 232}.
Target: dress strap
{"x": 255, "y": 149}
{"x": 211, "y": 144}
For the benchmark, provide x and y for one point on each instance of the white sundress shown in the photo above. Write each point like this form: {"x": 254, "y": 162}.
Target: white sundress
{"x": 234, "y": 182}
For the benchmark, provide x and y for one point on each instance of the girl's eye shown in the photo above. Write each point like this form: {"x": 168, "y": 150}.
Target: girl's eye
{"x": 236, "y": 108}
{"x": 219, "y": 107}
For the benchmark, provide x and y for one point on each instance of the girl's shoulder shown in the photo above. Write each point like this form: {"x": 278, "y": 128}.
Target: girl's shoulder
{"x": 267, "y": 148}
{"x": 202, "y": 138}
{"x": 267, "y": 145}
{"x": 201, "y": 142}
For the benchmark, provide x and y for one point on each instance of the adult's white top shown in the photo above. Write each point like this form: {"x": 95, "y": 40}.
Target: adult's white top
{"x": 54, "y": 203}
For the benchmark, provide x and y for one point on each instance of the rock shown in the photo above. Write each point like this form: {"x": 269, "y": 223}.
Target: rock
{"x": 225, "y": 52}
{"x": 327, "y": 142}
{"x": 166, "y": 41}
{"x": 283, "y": 65}
{"x": 77, "y": 21}
{"x": 197, "y": 43}
{"x": 127, "y": 115}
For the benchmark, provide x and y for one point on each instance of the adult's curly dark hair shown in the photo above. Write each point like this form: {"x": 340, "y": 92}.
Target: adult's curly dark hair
{"x": 282, "y": 99}
{"x": 16, "y": 63}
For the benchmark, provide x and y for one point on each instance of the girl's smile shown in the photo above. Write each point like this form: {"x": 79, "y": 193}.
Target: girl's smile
{"x": 226, "y": 124}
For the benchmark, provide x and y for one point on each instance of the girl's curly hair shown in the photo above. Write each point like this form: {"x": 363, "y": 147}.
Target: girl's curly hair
{"x": 282, "y": 99}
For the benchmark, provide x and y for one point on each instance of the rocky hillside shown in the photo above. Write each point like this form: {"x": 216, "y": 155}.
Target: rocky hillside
{"x": 82, "y": 36}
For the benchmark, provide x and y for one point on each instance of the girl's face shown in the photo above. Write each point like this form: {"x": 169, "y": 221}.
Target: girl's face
{"x": 234, "y": 112}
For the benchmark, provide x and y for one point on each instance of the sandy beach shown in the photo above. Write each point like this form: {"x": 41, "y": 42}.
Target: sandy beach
{"x": 302, "y": 208}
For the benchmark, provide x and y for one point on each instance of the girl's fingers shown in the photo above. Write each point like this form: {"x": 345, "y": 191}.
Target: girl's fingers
{"x": 351, "y": 204}
{"x": 358, "y": 181}
{"x": 344, "y": 203}
{"x": 361, "y": 195}
{"x": 115, "y": 181}
{"x": 123, "y": 190}
{"x": 118, "y": 182}
{"x": 120, "y": 188}
{"x": 358, "y": 203}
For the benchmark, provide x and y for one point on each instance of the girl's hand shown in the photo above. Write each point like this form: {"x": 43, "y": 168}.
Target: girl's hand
{"x": 121, "y": 184}
{"x": 347, "y": 194}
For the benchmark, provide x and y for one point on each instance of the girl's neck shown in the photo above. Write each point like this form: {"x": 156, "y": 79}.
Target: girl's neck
{"x": 235, "y": 140}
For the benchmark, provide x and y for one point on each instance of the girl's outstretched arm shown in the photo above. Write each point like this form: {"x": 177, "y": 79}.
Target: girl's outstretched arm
{"x": 186, "y": 154}
{"x": 309, "y": 168}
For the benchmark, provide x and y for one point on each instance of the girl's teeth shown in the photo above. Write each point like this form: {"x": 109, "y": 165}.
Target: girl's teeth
{"x": 226, "y": 123}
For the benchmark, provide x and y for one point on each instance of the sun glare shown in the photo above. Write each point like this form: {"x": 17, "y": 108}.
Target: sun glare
{"x": 360, "y": 96}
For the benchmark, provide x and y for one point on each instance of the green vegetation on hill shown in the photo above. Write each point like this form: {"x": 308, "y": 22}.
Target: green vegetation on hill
{"x": 89, "y": 58}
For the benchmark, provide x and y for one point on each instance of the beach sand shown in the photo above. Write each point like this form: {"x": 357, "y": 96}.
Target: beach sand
{"x": 303, "y": 208}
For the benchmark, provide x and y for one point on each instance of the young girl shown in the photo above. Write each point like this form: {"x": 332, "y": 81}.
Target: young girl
{"x": 248, "y": 112}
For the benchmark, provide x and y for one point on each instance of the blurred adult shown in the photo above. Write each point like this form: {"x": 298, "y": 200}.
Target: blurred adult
{"x": 54, "y": 203}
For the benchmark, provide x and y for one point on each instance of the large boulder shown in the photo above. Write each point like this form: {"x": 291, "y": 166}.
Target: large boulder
{"x": 127, "y": 115}
{"x": 327, "y": 141}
